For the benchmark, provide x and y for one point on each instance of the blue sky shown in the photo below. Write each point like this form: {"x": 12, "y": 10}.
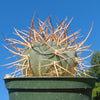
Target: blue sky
{"x": 18, "y": 14}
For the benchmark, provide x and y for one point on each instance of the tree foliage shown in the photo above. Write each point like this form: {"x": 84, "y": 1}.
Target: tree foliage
{"x": 95, "y": 71}
{"x": 95, "y": 60}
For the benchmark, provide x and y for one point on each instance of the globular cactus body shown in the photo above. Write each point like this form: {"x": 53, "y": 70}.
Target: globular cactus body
{"x": 43, "y": 60}
{"x": 48, "y": 51}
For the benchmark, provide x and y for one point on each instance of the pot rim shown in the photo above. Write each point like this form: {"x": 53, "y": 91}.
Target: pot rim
{"x": 51, "y": 77}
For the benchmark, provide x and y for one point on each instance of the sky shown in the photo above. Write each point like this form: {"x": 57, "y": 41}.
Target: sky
{"x": 18, "y": 14}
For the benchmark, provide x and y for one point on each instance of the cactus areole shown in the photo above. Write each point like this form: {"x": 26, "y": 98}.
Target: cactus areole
{"x": 48, "y": 51}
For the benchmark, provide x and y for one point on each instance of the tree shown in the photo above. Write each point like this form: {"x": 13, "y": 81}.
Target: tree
{"x": 95, "y": 71}
{"x": 95, "y": 60}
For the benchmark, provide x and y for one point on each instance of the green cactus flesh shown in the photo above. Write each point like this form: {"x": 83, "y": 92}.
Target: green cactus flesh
{"x": 41, "y": 58}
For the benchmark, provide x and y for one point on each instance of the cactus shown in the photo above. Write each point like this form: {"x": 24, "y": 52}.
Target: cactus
{"x": 45, "y": 61}
{"x": 48, "y": 52}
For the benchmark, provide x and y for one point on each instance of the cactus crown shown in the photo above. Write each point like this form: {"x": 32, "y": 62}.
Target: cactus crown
{"x": 48, "y": 51}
